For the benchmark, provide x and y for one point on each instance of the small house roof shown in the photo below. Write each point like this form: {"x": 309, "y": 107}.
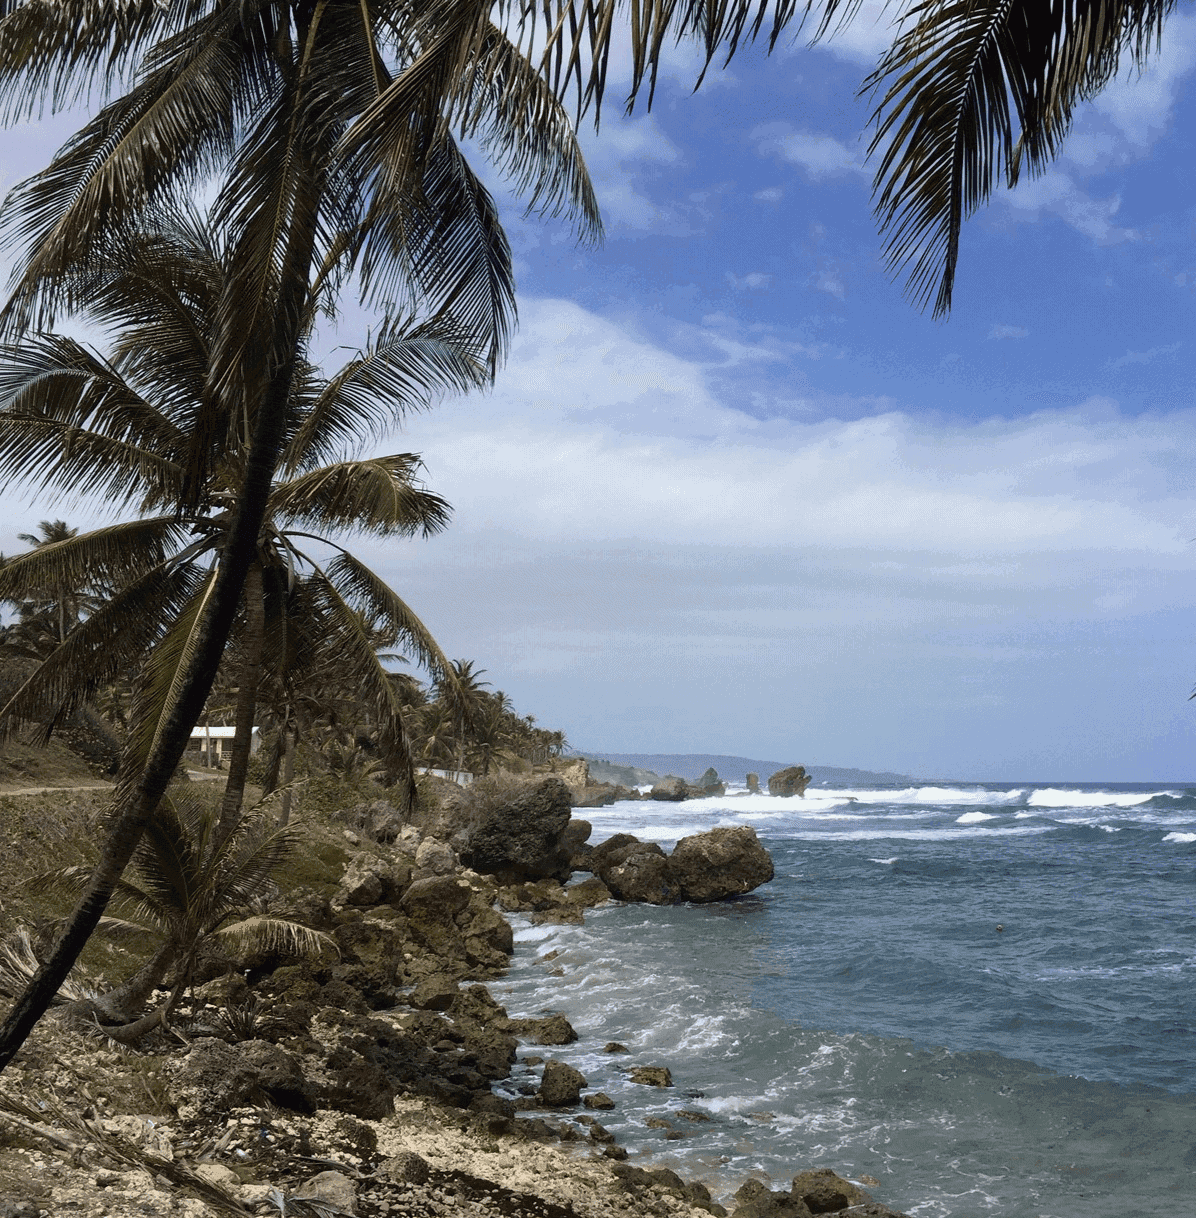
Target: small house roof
{"x": 215, "y": 733}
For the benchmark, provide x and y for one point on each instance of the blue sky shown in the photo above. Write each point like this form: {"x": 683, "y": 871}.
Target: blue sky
{"x": 733, "y": 494}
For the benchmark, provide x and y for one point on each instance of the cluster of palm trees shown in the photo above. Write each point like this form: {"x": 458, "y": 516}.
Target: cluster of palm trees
{"x": 324, "y": 134}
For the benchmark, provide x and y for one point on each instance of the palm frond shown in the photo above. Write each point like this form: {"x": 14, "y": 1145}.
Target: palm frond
{"x": 176, "y": 122}
{"x": 404, "y": 367}
{"x": 971, "y": 89}
{"x": 111, "y": 555}
{"x": 263, "y": 933}
{"x": 110, "y": 643}
{"x": 379, "y": 496}
{"x": 70, "y": 421}
{"x": 438, "y": 240}
{"x": 350, "y": 584}
{"x": 164, "y": 676}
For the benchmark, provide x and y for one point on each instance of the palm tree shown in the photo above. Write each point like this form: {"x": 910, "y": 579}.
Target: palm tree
{"x": 334, "y": 120}
{"x": 187, "y": 882}
{"x": 160, "y": 568}
{"x": 972, "y": 92}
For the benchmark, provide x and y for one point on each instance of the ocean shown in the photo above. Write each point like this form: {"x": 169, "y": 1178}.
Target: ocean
{"x": 866, "y": 1012}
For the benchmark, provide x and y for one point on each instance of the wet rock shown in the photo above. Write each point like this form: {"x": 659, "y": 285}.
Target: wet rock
{"x": 824, "y": 1191}
{"x": 332, "y": 1188}
{"x": 560, "y": 1086}
{"x": 718, "y": 864}
{"x": 576, "y": 834}
{"x": 524, "y": 840}
{"x": 613, "y": 1046}
{"x": 651, "y": 1076}
{"x": 588, "y": 893}
{"x": 599, "y": 1101}
{"x": 791, "y": 781}
{"x": 431, "y": 906}
{"x": 547, "y": 1030}
{"x": 710, "y": 784}
{"x": 756, "y": 1200}
{"x": 670, "y": 790}
{"x": 642, "y": 874}
{"x": 753, "y": 784}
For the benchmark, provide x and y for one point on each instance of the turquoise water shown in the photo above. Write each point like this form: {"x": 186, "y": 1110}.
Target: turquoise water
{"x": 863, "y": 1012}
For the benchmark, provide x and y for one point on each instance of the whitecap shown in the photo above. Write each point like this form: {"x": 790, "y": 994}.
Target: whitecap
{"x": 1180, "y": 837}
{"x": 887, "y": 862}
{"x": 974, "y": 818}
{"x": 1053, "y": 797}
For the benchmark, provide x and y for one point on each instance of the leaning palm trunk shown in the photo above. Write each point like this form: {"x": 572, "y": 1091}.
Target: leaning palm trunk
{"x": 248, "y": 679}
{"x": 135, "y": 806}
{"x": 122, "y": 1003}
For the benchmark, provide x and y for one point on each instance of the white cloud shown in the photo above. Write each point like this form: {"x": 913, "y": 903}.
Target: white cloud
{"x": 594, "y": 434}
{"x": 625, "y": 151}
{"x": 819, "y": 155}
{"x": 1139, "y": 106}
{"x": 1003, "y": 331}
{"x": 753, "y": 281}
{"x": 831, "y": 283}
{"x": 770, "y": 194}
{"x": 1056, "y": 193}
{"x": 869, "y": 32}
{"x": 1144, "y": 357}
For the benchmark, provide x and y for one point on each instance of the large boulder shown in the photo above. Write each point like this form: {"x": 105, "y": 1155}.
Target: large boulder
{"x": 641, "y": 873}
{"x": 432, "y": 906}
{"x": 705, "y": 867}
{"x": 718, "y": 864}
{"x": 753, "y": 784}
{"x": 372, "y": 881}
{"x": 670, "y": 790}
{"x": 710, "y": 784}
{"x": 561, "y": 1085}
{"x": 790, "y": 781}
{"x": 524, "y": 839}
{"x": 825, "y": 1192}
{"x": 214, "y": 1076}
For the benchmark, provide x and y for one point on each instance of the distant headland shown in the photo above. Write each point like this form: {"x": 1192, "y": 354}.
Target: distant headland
{"x": 635, "y": 769}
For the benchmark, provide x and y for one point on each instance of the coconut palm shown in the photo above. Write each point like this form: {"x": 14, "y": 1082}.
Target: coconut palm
{"x": 188, "y": 886}
{"x": 161, "y": 568}
{"x": 334, "y": 119}
{"x": 972, "y": 93}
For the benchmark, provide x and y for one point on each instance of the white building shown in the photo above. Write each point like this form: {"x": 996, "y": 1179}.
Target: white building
{"x": 211, "y": 742}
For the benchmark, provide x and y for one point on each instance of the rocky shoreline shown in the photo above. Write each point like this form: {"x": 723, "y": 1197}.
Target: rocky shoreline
{"x": 360, "y": 1082}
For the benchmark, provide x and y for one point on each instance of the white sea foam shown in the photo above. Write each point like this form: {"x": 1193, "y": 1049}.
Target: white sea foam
{"x": 887, "y": 862}
{"x": 1053, "y": 797}
{"x": 913, "y": 835}
{"x": 1180, "y": 837}
{"x": 974, "y": 818}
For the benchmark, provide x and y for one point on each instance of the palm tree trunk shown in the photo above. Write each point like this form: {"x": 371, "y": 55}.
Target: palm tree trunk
{"x": 248, "y": 681}
{"x": 135, "y": 806}
{"x": 288, "y": 773}
{"x": 129, "y": 996}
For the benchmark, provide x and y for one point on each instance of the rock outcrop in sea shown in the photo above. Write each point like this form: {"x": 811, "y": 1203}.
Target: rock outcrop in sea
{"x": 791, "y": 781}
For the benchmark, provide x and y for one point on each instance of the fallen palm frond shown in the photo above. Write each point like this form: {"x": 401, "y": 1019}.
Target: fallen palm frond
{"x": 19, "y": 962}
{"x": 68, "y": 1131}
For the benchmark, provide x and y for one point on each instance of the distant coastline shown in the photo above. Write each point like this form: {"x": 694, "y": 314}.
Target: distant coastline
{"x": 730, "y": 768}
